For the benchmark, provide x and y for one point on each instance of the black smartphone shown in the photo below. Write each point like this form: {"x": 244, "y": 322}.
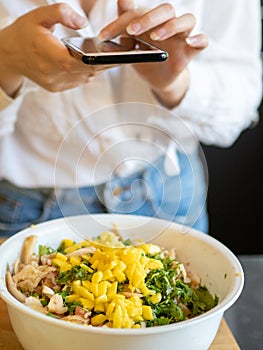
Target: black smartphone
{"x": 118, "y": 51}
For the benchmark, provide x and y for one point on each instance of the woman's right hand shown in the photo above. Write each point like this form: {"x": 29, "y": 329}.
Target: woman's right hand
{"x": 29, "y": 49}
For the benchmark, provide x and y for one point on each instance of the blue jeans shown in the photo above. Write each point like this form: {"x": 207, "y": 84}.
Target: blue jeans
{"x": 151, "y": 192}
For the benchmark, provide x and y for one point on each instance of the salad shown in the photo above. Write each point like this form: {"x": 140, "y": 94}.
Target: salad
{"x": 107, "y": 285}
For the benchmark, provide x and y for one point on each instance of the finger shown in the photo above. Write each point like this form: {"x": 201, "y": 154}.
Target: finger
{"x": 199, "y": 41}
{"x": 118, "y": 26}
{"x": 62, "y": 13}
{"x": 151, "y": 19}
{"x": 178, "y": 25}
{"x": 125, "y": 5}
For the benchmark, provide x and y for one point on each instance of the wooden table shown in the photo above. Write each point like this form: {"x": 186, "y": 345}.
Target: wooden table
{"x": 224, "y": 339}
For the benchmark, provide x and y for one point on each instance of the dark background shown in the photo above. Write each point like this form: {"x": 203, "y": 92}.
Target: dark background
{"x": 235, "y": 189}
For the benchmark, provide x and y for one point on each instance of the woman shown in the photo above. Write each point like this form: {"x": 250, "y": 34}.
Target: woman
{"x": 77, "y": 139}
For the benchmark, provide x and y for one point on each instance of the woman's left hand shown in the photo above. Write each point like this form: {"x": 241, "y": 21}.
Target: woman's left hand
{"x": 169, "y": 80}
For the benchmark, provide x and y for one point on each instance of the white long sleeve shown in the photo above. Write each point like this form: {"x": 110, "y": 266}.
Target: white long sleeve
{"x": 226, "y": 80}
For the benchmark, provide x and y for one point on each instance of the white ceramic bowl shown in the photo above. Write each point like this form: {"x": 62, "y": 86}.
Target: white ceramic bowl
{"x": 217, "y": 266}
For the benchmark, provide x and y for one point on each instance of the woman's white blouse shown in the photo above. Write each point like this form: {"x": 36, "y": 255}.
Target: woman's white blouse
{"x": 76, "y": 137}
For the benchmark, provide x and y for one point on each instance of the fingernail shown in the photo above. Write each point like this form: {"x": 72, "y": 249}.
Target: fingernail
{"x": 158, "y": 34}
{"x": 104, "y": 35}
{"x": 194, "y": 41}
{"x": 134, "y": 28}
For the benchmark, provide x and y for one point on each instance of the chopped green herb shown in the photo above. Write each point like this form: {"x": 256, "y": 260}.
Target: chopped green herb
{"x": 177, "y": 296}
{"x": 75, "y": 273}
{"x": 45, "y": 250}
{"x": 72, "y": 307}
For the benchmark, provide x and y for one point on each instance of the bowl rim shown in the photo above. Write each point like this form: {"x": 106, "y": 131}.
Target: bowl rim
{"x": 226, "y": 303}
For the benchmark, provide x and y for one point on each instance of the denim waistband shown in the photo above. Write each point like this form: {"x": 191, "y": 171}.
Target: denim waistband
{"x": 150, "y": 192}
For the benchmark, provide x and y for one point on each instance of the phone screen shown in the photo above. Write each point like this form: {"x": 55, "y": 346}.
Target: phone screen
{"x": 120, "y": 50}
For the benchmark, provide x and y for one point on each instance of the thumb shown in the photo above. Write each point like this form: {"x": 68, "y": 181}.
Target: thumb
{"x": 61, "y": 13}
{"x": 125, "y": 5}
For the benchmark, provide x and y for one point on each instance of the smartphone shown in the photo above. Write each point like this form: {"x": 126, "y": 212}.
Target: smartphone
{"x": 118, "y": 51}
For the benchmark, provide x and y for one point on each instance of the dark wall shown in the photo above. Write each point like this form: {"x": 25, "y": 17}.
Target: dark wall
{"x": 235, "y": 191}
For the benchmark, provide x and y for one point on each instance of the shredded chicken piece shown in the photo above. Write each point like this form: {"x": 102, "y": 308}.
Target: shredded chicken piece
{"x": 29, "y": 277}
{"x": 47, "y": 291}
{"x": 50, "y": 280}
{"x": 185, "y": 309}
{"x": 82, "y": 251}
{"x": 47, "y": 259}
{"x": 27, "y": 249}
{"x": 131, "y": 294}
{"x": 56, "y": 306}
{"x": 35, "y": 304}
{"x": 76, "y": 319}
{"x": 183, "y": 271}
{"x": 11, "y": 285}
{"x": 17, "y": 266}
{"x": 116, "y": 231}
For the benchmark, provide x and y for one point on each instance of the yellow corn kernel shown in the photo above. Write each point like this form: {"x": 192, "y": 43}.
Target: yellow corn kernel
{"x": 86, "y": 257}
{"x": 101, "y": 266}
{"x": 107, "y": 274}
{"x": 85, "y": 293}
{"x": 85, "y": 244}
{"x": 95, "y": 264}
{"x": 138, "y": 277}
{"x": 117, "y": 317}
{"x": 87, "y": 268}
{"x": 76, "y": 283}
{"x": 138, "y": 319}
{"x": 64, "y": 266}
{"x": 120, "y": 276}
{"x": 150, "y": 248}
{"x": 101, "y": 299}
{"x": 111, "y": 265}
{"x": 75, "y": 260}
{"x": 99, "y": 307}
{"x": 147, "y": 312}
{"x": 136, "y": 300}
{"x": 98, "y": 320}
{"x": 137, "y": 325}
{"x": 146, "y": 291}
{"x": 131, "y": 255}
{"x": 102, "y": 288}
{"x": 127, "y": 322}
{"x": 73, "y": 248}
{"x": 156, "y": 298}
{"x": 110, "y": 310}
{"x": 67, "y": 243}
{"x": 112, "y": 290}
{"x": 134, "y": 311}
{"x": 97, "y": 277}
{"x": 121, "y": 266}
{"x": 75, "y": 286}
{"x": 119, "y": 297}
{"x": 58, "y": 262}
{"x": 88, "y": 285}
{"x": 153, "y": 264}
{"x": 98, "y": 255}
{"x": 71, "y": 298}
{"x": 130, "y": 271}
{"x": 88, "y": 304}
{"x": 94, "y": 289}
